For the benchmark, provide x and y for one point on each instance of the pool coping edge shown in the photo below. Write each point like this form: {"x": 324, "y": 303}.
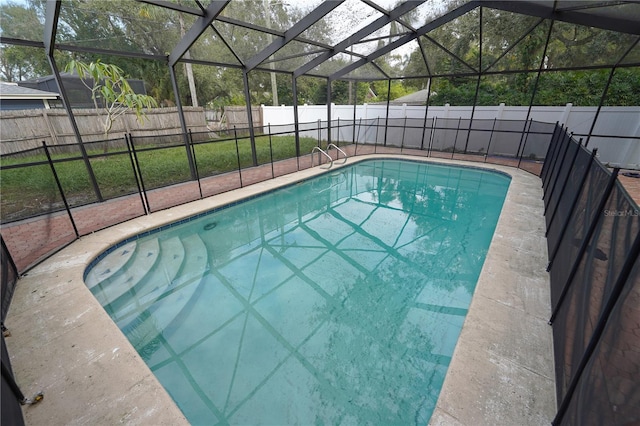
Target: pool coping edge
{"x": 41, "y": 317}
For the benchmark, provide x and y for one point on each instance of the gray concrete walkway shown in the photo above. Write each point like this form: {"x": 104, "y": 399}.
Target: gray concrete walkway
{"x": 65, "y": 344}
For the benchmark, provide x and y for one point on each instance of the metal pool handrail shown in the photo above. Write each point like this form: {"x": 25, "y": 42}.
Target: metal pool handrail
{"x": 325, "y": 153}
{"x": 316, "y": 148}
{"x": 339, "y": 150}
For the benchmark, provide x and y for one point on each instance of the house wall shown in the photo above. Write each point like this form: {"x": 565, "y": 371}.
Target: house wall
{"x": 14, "y": 104}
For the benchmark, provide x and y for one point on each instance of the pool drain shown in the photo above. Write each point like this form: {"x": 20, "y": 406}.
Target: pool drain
{"x": 210, "y": 226}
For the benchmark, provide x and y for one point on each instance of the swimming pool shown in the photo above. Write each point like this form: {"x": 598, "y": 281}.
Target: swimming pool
{"x": 336, "y": 300}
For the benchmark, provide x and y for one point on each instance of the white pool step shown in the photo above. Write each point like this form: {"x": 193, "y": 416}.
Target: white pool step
{"x": 157, "y": 309}
{"x": 111, "y": 264}
{"x": 172, "y": 253}
{"x": 144, "y": 257}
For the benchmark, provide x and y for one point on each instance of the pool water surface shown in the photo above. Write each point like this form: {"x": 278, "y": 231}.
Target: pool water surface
{"x": 337, "y": 300}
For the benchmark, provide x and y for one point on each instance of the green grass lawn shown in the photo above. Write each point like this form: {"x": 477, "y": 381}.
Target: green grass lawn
{"x": 31, "y": 190}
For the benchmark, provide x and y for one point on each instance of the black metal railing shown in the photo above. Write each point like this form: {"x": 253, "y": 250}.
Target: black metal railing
{"x": 9, "y": 278}
{"x": 593, "y": 237}
{"x": 49, "y": 194}
{"x": 12, "y": 397}
{"x": 54, "y": 194}
{"x": 593, "y": 226}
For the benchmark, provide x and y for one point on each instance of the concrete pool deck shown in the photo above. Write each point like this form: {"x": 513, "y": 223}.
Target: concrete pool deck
{"x": 64, "y": 344}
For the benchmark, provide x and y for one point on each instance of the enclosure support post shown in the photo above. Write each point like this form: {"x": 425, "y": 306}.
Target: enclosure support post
{"x": 606, "y": 89}
{"x": 475, "y": 97}
{"x": 355, "y": 103}
{"x": 252, "y": 136}
{"x": 235, "y": 136}
{"x": 74, "y": 126}
{"x": 136, "y": 174}
{"x": 473, "y": 111}
{"x": 192, "y": 148}
{"x": 355, "y": 152}
{"x": 426, "y": 112}
{"x": 602, "y": 98}
{"x": 453, "y": 151}
{"x": 59, "y": 185}
{"x": 535, "y": 85}
{"x": 51, "y": 22}
{"x": 137, "y": 167}
{"x": 328, "y": 112}
{"x": 493, "y": 127}
{"x": 386, "y": 124}
{"x": 543, "y": 172}
{"x": 375, "y": 143}
{"x": 404, "y": 129}
{"x": 523, "y": 143}
{"x": 183, "y": 123}
{"x": 296, "y": 124}
{"x": 271, "y": 151}
{"x": 475, "y": 100}
{"x": 432, "y": 137}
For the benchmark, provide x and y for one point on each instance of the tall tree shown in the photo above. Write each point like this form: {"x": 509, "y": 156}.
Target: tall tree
{"x": 19, "y": 63}
{"x": 110, "y": 91}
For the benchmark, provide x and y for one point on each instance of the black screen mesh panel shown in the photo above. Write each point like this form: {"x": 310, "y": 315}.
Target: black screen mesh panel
{"x": 395, "y": 130}
{"x": 480, "y": 135}
{"x": 550, "y": 157}
{"x": 593, "y": 236}
{"x": 557, "y": 218}
{"x": 9, "y": 276}
{"x": 413, "y": 133}
{"x": 536, "y": 143}
{"x": 11, "y": 407}
{"x": 506, "y": 138}
{"x": 563, "y": 174}
{"x": 583, "y": 213}
{"x": 591, "y": 286}
{"x": 558, "y": 165}
{"x": 608, "y": 392}
{"x": 445, "y": 133}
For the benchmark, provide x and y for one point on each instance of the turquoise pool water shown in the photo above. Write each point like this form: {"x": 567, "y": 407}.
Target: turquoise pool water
{"x": 338, "y": 300}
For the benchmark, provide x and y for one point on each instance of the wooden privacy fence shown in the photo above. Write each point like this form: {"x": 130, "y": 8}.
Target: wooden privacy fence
{"x": 237, "y": 116}
{"x": 26, "y": 129}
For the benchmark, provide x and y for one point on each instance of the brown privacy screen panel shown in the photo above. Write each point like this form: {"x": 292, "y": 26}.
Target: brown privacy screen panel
{"x": 581, "y": 217}
{"x": 608, "y": 392}
{"x": 558, "y": 215}
{"x": 591, "y": 287}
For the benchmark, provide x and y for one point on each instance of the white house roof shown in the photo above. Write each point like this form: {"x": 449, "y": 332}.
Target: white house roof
{"x": 13, "y": 91}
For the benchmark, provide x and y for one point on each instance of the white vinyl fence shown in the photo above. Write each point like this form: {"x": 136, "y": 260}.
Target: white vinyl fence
{"x": 619, "y": 125}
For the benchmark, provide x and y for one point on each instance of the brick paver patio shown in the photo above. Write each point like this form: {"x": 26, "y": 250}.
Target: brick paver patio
{"x": 33, "y": 239}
